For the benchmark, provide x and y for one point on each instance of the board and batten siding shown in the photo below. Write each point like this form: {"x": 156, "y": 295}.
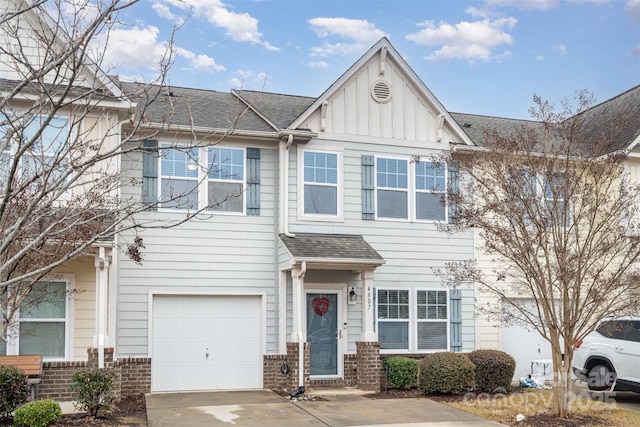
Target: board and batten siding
{"x": 221, "y": 254}
{"x": 407, "y": 115}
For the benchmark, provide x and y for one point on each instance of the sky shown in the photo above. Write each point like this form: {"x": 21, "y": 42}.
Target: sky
{"x": 480, "y": 57}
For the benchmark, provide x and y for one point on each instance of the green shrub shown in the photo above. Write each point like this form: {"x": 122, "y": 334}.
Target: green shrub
{"x": 40, "y": 413}
{"x": 402, "y": 372}
{"x": 446, "y": 373}
{"x": 93, "y": 390}
{"x": 494, "y": 369}
{"x": 14, "y": 390}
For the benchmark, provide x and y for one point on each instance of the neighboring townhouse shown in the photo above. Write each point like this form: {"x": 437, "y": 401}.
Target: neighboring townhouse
{"x": 76, "y": 319}
{"x": 530, "y": 350}
{"x": 325, "y": 261}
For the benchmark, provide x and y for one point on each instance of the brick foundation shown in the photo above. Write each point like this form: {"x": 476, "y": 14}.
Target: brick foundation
{"x": 133, "y": 375}
{"x": 368, "y": 365}
{"x": 361, "y": 370}
{"x": 273, "y": 376}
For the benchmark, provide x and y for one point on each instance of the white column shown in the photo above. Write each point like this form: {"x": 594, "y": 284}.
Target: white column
{"x": 297, "y": 333}
{"x": 102, "y": 283}
{"x": 368, "y": 332}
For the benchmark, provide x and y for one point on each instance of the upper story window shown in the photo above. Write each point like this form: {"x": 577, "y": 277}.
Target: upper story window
{"x": 321, "y": 186}
{"x": 179, "y": 177}
{"x": 410, "y": 190}
{"x": 225, "y": 179}
{"x": 211, "y": 178}
{"x": 430, "y": 189}
{"x": 392, "y": 180}
{"x": 46, "y": 156}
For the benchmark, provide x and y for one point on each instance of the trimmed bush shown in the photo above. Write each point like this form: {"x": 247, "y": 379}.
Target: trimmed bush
{"x": 93, "y": 389}
{"x": 40, "y": 413}
{"x": 402, "y": 372}
{"x": 14, "y": 390}
{"x": 446, "y": 373}
{"x": 494, "y": 369}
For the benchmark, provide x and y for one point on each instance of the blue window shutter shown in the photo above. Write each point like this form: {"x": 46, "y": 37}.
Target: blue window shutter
{"x": 150, "y": 173}
{"x": 368, "y": 187}
{"x": 454, "y": 186}
{"x": 455, "y": 299}
{"x": 253, "y": 181}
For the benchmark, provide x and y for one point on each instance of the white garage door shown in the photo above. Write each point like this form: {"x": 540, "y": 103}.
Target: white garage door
{"x": 524, "y": 346}
{"x": 203, "y": 342}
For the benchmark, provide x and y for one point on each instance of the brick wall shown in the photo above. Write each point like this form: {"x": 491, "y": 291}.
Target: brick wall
{"x": 274, "y": 379}
{"x": 133, "y": 375}
{"x": 369, "y": 365}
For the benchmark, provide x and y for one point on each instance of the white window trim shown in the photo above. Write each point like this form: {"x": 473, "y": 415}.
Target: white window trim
{"x": 339, "y": 217}
{"x": 72, "y": 135}
{"x": 202, "y": 180}
{"x": 413, "y": 320}
{"x": 13, "y": 340}
{"x": 411, "y": 192}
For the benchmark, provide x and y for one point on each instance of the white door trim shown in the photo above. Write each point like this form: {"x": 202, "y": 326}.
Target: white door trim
{"x": 341, "y": 290}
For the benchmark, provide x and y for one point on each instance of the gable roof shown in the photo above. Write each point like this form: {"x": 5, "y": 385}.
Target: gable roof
{"x": 385, "y": 49}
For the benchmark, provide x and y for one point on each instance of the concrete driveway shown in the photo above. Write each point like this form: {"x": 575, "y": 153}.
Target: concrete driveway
{"x": 266, "y": 408}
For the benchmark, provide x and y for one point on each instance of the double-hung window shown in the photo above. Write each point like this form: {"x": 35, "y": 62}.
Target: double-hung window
{"x": 321, "y": 175}
{"x": 430, "y": 191}
{"x": 413, "y": 320}
{"x": 45, "y": 159}
{"x": 409, "y": 190}
{"x": 42, "y": 325}
{"x": 393, "y": 319}
{"x": 392, "y": 183}
{"x": 179, "y": 168}
{"x": 225, "y": 179}
{"x": 432, "y": 319}
{"x": 197, "y": 178}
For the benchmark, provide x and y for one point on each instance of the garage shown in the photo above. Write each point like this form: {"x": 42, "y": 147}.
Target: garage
{"x": 206, "y": 342}
{"x": 525, "y": 344}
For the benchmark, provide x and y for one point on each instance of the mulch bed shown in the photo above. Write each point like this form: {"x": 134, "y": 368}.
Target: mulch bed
{"x": 129, "y": 411}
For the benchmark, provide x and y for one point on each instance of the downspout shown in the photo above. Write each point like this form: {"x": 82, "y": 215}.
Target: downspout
{"x": 284, "y": 186}
{"x": 300, "y": 280}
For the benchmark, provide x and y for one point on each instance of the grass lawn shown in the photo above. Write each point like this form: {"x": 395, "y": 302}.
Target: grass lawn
{"x": 537, "y": 407}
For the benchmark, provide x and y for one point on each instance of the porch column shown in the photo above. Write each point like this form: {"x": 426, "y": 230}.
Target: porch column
{"x": 297, "y": 332}
{"x": 368, "y": 331}
{"x": 102, "y": 261}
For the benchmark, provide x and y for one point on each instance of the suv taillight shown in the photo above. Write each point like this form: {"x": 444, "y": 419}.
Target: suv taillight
{"x": 577, "y": 343}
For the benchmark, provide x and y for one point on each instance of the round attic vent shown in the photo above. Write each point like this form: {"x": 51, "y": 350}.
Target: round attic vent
{"x": 381, "y": 91}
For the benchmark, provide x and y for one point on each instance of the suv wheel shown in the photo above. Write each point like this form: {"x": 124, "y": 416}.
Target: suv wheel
{"x": 601, "y": 378}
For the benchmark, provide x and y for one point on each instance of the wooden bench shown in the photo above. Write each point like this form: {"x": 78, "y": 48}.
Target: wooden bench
{"x": 31, "y": 365}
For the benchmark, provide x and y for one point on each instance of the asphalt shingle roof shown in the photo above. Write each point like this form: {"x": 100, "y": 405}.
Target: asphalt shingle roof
{"x": 280, "y": 109}
{"x": 331, "y": 246}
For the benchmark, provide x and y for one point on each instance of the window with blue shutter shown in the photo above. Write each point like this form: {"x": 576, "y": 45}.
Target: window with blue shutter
{"x": 150, "y": 173}
{"x": 368, "y": 187}
{"x": 455, "y": 297}
{"x": 253, "y": 181}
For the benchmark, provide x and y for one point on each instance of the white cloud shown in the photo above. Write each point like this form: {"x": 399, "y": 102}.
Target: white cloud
{"x": 235, "y": 83}
{"x": 200, "y": 63}
{"x": 539, "y": 58}
{"x": 524, "y": 4}
{"x": 239, "y": 27}
{"x": 163, "y": 11}
{"x": 633, "y": 10}
{"x": 465, "y": 40}
{"x": 133, "y": 47}
{"x": 356, "y": 35}
{"x": 560, "y": 48}
{"x": 317, "y": 64}
{"x": 248, "y": 79}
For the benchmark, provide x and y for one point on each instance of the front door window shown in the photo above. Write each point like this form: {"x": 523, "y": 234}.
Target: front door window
{"x": 322, "y": 332}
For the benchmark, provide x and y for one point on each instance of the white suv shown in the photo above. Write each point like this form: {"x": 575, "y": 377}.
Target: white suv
{"x": 609, "y": 357}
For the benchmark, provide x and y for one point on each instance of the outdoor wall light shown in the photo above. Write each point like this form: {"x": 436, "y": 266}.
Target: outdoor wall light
{"x": 353, "y": 297}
